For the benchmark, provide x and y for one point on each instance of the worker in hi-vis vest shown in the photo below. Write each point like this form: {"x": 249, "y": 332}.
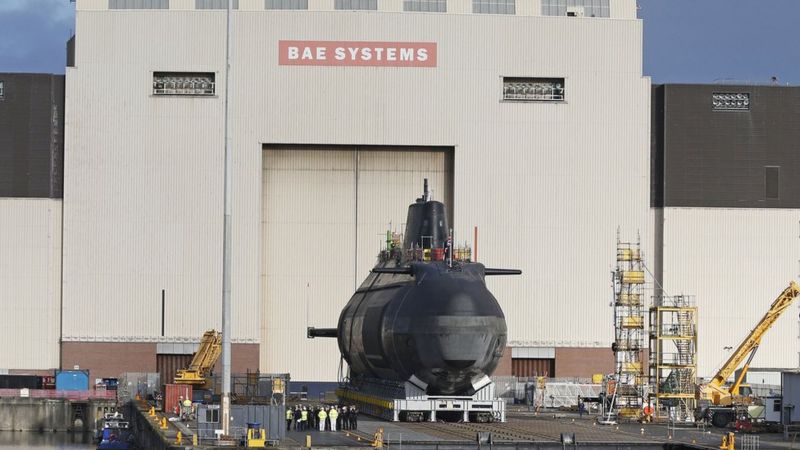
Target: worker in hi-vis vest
{"x": 304, "y": 419}
{"x": 322, "y": 416}
{"x": 333, "y": 413}
{"x": 289, "y": 417}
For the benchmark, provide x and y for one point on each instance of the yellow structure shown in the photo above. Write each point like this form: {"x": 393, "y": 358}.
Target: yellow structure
{"x": 378, "y": 438}
{"x": 203, "y": 361}
{"x": 728, "y": 442}
{"x": 723, "y": 398}
{"x": 164, "y": 425}
{"x": 629, "y": 330}
{"x": 673, "y": 356}
{"x": 256, "y": 437}
{"x": 179, "y": 438}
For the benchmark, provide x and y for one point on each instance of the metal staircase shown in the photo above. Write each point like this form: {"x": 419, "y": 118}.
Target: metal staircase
{"x": 673, "y": 360}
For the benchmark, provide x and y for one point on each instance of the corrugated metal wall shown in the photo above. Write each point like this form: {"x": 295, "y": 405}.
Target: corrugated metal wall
{"x": 736, "y": 262}
{"x": 326, "y": 212}
{"x": 533, "y": 367}
{"x": 167, "y": 366}
{"x": 30, "y": 282}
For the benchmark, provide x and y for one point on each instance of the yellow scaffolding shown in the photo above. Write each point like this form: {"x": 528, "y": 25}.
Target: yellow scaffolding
{"x": 673, "y": 357}
{"x": 629, "y": 332}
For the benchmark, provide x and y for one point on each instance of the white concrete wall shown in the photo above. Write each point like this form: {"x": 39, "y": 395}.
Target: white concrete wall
{"x": 30, "y": 283}
{"x": 736, "y": 262}
{"x": 546, "y": 184}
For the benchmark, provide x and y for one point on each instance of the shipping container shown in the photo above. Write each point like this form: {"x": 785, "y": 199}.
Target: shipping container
{"x": 72, "y": 380}
{"x": 20, "y": 382}
{"x": 173, "y": 394}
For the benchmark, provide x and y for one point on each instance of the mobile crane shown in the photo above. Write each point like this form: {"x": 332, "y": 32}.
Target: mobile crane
{"x": 722, "y": 401}
{"x": 203, "y": 360}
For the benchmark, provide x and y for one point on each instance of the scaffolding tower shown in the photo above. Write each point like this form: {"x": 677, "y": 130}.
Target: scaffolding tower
{"x": 673, "y": 357}
{"x": 628, "y": 343}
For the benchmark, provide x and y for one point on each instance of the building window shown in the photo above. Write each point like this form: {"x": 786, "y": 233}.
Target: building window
{"x": 776, "y": 406}
{"x": 772, "y": 180}
{"x": 183, "y": 83}
{"x": 285, "y": 4}
{"x": 533, "y": 89}
{"x": 425, "y": 5}
{"x": 576, "y": 8}
{"x": 138, "y": 4}
{"x": 730, "y": 101}
{"x": 494, "y": 6}
{"x": 2, "y": 89}
{"x": 215, "y": 4}
{"x": 356, "y": 4}
{"x": 212, "y": 415}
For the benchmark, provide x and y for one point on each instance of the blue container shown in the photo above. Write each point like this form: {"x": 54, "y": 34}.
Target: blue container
{"x": 72, "y": 380}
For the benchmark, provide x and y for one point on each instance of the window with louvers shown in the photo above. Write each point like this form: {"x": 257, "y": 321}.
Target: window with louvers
{"x": 523, "y": 89}
{"x": 356, "y": 4}
{"x": 494, "y": 6}
{"x": 425, "y": 5}
{"x": 215, "y": 4}
{"x": 138, "y": 4}
{"x": 184, "y": 83}
{"x": 285, "y": 4}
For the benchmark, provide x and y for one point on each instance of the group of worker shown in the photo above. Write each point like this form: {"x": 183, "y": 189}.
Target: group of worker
{"x": 321, "y": 417}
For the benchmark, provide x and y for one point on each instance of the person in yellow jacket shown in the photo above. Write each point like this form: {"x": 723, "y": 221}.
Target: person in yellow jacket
{"x": 333, "y": 414}
{"x": 304, "y": 419}
{"x": 289, "y": 417}
{"x": 322, "y": 416}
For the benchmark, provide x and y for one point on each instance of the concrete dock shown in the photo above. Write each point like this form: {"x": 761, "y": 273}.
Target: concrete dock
{"x": 523, "y": 430}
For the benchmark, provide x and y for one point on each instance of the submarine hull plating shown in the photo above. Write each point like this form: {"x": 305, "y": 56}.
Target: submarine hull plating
{"x": 438, "y": 327}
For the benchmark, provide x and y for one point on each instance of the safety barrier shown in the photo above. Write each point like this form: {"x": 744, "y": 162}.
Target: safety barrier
{"x": 54, "y": 394}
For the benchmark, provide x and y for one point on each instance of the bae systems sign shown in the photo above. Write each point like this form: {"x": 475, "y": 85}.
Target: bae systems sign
{"x": 357, "y": 53}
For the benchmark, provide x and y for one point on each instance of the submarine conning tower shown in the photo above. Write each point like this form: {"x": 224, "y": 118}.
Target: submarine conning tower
{"x": 426, "y": 225}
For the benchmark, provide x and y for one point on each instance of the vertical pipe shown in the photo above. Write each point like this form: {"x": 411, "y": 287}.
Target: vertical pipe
{"x": 162, "y": 312}
{"x": 226, "y": 247}
{"x": 356, "y": 164}
{"x": 475, "y": 245}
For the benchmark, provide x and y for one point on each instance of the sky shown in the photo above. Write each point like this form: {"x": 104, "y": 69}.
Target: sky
{"x": 685, "y": 41}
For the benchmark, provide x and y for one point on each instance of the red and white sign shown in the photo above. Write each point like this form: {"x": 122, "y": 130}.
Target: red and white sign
{"x": 357, "y": 53}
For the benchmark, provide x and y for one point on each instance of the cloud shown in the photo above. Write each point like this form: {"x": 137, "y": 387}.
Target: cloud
{"x": 50, "y": 11}
{"x": 33, "y": 34}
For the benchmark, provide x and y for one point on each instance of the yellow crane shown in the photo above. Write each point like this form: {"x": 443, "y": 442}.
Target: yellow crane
{"x": 203, "y": 360}
{"x": 724, "y": 399}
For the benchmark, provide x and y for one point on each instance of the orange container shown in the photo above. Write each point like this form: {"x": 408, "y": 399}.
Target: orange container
{"x": 173, "y": 394}
{"x": 438, "y": 254}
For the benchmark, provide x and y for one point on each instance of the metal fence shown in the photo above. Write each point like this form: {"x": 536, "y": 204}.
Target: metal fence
{"x": 54, "y": 394}
{"x": 141, "y": 383}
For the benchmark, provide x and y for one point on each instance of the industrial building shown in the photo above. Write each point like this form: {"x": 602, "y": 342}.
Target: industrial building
{"x": 726, "y": 207}
{"x": 532, "y": 119}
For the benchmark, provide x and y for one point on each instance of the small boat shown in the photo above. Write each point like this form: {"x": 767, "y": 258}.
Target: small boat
{"x": 115, "y": 433}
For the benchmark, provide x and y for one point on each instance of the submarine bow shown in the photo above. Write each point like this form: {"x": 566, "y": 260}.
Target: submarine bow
{"x": 422, "y": 315}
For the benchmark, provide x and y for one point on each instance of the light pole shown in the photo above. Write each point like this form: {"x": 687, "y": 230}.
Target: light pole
{"x": 226, "y": 246}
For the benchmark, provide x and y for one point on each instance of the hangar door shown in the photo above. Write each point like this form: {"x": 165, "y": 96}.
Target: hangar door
{"x": 324, "y": 218}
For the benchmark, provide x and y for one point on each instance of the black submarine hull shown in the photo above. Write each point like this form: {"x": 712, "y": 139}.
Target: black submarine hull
{"x": 436, "y": 326}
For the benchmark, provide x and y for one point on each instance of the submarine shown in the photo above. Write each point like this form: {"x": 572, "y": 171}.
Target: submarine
{"x": 424, "y": 314}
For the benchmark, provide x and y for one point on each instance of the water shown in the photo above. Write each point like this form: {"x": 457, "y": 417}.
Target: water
{"x": 16, "y": 440}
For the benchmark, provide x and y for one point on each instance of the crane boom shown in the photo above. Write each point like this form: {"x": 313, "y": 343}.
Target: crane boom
{"x": 753, "y": 340}
{"x": 203, "y": 361}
